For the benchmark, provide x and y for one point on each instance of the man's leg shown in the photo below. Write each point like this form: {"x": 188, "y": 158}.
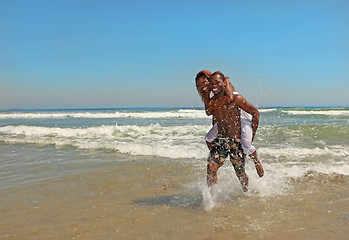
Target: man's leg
{"x": 237, "y": 158}
{"x": 243, "y": 178}
{"x": 212, "y": 168}
{"x": 257, "y": 164}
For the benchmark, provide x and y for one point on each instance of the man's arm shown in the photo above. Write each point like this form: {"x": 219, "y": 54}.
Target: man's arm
{"x": 249, "y": 108}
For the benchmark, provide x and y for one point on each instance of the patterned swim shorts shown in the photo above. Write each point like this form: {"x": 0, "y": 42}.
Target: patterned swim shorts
{"x": 222, "y": 147}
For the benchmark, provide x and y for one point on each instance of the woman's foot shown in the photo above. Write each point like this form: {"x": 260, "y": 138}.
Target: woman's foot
{"x": 259, "y": 168}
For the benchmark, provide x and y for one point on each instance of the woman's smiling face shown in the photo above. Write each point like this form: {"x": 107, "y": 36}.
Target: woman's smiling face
{"x": 202, "y": 84}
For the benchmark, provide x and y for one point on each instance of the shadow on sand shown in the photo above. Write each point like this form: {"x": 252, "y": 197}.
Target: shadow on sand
{"x": 181, "y": 201}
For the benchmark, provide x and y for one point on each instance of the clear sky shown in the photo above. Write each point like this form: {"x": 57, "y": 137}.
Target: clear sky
{"x": 103, "y": 53}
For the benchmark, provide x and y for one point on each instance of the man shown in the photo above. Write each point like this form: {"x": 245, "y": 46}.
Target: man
{"x": 226, "y": 112}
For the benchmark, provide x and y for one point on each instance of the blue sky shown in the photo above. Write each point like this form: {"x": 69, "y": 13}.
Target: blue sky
{"x": 71, "y": 54}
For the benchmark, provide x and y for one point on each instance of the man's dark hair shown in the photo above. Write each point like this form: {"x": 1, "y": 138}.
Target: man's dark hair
{"x": 219, "y": 73}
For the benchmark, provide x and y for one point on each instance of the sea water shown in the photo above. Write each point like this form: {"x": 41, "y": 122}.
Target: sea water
{"x": 141, "y": 174}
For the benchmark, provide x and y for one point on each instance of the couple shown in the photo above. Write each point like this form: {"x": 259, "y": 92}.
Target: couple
{"x": 235, "y": 122}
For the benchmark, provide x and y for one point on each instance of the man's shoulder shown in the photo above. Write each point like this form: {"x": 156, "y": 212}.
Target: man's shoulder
{"x": 238, "y": 98}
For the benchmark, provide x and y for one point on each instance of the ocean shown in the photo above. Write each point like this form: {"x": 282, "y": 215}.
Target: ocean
{"x": 140, "y": 173}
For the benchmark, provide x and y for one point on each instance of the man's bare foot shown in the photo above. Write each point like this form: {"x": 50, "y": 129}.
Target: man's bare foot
{"x": 259, "y": 168}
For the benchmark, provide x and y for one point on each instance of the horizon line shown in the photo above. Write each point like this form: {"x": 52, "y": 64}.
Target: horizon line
{"x": 169, "y": 107}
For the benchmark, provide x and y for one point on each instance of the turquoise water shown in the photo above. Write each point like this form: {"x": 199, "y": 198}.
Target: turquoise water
{"x": 166, "y": 132}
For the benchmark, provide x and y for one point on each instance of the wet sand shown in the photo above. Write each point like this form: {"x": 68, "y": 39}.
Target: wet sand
{"x": 65, "y": 193}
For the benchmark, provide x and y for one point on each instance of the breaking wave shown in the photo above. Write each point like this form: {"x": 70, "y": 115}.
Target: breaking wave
{"x": 156, "y": 140}
{"x": 339, "y": 112}
{"x": 181, "y": 113}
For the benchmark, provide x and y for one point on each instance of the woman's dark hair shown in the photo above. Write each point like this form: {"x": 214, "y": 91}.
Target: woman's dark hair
{"x": 205, "y": 73}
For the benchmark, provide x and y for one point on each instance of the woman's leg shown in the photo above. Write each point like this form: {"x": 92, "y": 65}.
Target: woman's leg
{"x": 257, "y": 164}
{"x": 246, "y": 142}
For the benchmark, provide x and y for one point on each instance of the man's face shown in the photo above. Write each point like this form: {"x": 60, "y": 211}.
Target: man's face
{"x": 217, "y": 84}
{"x": 202, "y": 84}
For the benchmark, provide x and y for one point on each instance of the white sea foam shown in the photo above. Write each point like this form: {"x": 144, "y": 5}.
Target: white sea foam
{"x": 267, "y": 110}
{"x": 276, "y": 181}
{"x": 154, "y": 140}
{"x": 294, "y": 152}
{"x": 181, "y": 113}
{"x": 318, "y": 112}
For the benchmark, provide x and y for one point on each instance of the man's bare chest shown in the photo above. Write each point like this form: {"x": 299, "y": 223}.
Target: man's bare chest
{"x": 226, "y": 111}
